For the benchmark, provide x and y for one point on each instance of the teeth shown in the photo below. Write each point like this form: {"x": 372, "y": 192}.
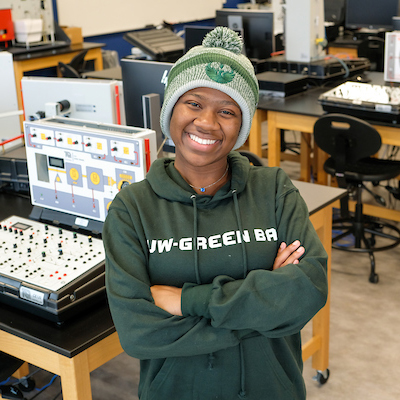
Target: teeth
{"x": 201, "y": 141}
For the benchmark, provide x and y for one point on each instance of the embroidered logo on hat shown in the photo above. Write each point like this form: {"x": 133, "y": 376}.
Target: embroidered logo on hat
{"x": 219, "y": 75}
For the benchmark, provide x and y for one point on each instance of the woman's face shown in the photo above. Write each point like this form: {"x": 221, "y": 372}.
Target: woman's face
{"x": 204, "y": 126}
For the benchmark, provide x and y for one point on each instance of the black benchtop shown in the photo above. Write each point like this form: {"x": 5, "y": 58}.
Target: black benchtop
{"x": 74, "y": 335}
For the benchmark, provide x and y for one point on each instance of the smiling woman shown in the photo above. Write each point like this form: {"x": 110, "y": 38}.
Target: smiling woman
{"x": 207, "y": 275}
{"x": 204, "y": 126}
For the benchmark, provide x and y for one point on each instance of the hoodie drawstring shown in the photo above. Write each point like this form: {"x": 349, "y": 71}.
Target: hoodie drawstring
{"x": 196, "y": 257}
{"x": 211, "y": 357}
{"x": 239, "y": 222}
{"x": 242, "y": 393}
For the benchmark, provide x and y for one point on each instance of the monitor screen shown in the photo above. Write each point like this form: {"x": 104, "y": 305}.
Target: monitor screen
{"x": 334, "y": 11}
{"x": 194, "y": 35}
{"x": 257, "y": 26}
{"x": 371, "y": 14}
{"x": 141, "y": 77}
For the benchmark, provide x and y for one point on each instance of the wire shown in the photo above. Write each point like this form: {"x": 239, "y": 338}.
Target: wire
{"x": 43, "y": 388}
{"x": 46, "y": 386}
{"x": 5, "y": 382}
{"x": 346, "y": 68}
{"x": 162, "y": 145}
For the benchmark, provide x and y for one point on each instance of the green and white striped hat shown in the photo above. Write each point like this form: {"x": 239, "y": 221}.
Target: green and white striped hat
{"x": 219, "y": 64}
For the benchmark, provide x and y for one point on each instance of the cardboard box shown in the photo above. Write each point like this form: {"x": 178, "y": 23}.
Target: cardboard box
{"x": 74, "y": 33}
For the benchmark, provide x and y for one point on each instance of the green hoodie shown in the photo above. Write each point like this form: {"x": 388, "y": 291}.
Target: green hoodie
{"x": 239, "y": 336}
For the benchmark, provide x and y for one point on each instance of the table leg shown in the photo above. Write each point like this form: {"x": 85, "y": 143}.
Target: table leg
{"x": 274, "y": 141}
{"x": 75, "y": 377}
{"x": 22, "y": 371}
{"x": 255, "y": 132}
{"x": 97, "y": 56}
{"x": 322, "y": 176}
{"x": 18, "y": 74}
{"x": 318, "y": 346}
{"x": 305, "y": 156}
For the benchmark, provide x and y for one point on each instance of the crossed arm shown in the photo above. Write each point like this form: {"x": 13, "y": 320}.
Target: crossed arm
{"x": 169, "y": 297}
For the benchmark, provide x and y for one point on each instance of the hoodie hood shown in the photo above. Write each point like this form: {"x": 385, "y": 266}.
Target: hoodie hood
{"x": 168, "y": 184}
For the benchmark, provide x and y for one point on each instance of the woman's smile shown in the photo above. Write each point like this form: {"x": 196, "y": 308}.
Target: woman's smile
{"x": 199, "y": 140}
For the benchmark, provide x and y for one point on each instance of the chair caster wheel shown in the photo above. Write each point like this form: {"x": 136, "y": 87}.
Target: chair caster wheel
{"x": 321, "y": 378}
{"x": 27, "y": 385}
{"x": 374, "y": 278}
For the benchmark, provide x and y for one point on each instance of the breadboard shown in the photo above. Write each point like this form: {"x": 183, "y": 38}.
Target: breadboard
{"x": 46, "y": 269}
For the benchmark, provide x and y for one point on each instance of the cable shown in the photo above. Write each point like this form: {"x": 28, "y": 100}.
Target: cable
{"x": 5, "y": 382}
{"x": 346, "y": 68}
{"x": 162, "y": 145}
{"x": 47, "y": 385}
{"x": 43, "y": 388}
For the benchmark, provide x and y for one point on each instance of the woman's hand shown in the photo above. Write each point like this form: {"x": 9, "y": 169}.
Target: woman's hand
{"x": 168, "y": 298}
{"x": 288, "y": 254}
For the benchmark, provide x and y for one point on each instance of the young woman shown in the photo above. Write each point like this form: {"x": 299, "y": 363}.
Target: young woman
{"x": 212, "y": 265}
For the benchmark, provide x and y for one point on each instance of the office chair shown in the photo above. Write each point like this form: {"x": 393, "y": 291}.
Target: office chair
{"x": 351, "y": 143}
{"x": 253, "y": 158}
{"x": 13, "y": 388}
{"x": 373, "y": 48}
{"x": 75, "y": 68}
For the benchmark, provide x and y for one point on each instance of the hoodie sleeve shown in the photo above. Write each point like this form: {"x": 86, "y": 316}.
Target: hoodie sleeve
{"x": 274, "y": 303}
{"x": 145, "y": 330}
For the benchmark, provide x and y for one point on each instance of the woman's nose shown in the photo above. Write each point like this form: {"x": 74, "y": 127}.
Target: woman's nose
{"x": 206, "y": 120}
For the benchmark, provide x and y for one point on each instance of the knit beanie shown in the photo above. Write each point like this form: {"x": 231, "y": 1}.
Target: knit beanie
{"x": 218, "y": 64}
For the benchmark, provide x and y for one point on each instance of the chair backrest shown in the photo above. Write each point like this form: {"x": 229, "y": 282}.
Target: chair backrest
{"x": 67, "y": 71}
{"x": 79, "y": 62}
{"x": 345, "y": 138}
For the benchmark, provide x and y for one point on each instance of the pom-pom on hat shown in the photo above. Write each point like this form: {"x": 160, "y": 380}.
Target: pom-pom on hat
{"x": 218, "y": 64}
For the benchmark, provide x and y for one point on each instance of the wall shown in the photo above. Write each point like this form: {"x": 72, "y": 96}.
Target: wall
{"x": 97, "y": 17}
{"x": 115, "y": 41}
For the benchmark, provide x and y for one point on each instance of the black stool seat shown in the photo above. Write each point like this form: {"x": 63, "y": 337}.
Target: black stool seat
{"x": 367, "y": 169}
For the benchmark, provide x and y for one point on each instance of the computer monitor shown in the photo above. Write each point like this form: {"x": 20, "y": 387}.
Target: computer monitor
{"x": 194, "y": 35}
{"x": 371, "y": 14}
{"x": 334, "y": 11}
{"x": 141, "y": 78}
{"x": 258, "y": 29}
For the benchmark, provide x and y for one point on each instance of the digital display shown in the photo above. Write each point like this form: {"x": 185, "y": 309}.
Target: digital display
{"x": 56, "y": 162}
{"x": 21, "y": 226}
